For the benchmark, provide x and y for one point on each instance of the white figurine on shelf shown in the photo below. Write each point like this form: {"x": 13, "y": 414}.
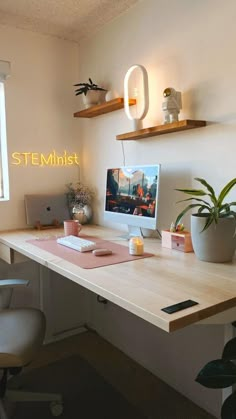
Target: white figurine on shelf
{"x": 171, "y": 105}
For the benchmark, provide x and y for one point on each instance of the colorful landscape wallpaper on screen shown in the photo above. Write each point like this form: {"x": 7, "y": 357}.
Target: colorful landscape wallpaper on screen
{"x": 132, "y": 190}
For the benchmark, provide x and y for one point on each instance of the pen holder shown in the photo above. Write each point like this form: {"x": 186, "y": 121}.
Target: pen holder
{"x": 178, "y": 241}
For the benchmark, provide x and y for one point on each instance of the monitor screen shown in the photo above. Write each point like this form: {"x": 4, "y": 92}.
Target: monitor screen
{"x": 132, "y": 196}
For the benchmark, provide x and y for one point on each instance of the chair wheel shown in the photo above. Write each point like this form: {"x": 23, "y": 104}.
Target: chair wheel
{"x": 56, "y": 408}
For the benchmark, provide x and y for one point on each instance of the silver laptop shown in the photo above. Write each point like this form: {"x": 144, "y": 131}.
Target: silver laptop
{"x": 46, "y": 209}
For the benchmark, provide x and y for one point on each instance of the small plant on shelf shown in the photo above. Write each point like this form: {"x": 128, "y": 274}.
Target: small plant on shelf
{"x": 85, "y": 87}
{"x": 221, "y": 373}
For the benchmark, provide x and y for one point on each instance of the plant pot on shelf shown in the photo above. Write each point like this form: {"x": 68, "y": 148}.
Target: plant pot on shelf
{"x": 215, "y": 244}
{"x": 92, "y": 98}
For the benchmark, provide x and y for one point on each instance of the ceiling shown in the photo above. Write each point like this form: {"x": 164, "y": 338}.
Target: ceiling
{"x": 73, "y": 20}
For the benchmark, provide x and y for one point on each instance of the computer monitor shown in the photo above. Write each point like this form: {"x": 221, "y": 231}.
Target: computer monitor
{"x": 132, "y": 197}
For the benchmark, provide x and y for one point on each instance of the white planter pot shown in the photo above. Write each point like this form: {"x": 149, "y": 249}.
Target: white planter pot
{"x": 215, "y": 244}
{"x": 91, "y": 98}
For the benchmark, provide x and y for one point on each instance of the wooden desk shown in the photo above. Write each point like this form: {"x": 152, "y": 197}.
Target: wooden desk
{"x": 145, "y": 286}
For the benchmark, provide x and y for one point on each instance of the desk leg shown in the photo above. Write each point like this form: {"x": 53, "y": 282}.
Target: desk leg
{"x": 45, "y": 300}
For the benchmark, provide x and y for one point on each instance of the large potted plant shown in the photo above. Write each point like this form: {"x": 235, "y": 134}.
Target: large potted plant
{"x": 91, "y": 93}
{"x": 213, "y": 226}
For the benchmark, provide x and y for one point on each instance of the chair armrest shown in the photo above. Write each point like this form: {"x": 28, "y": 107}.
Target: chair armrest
{"x": 12, "y": 283}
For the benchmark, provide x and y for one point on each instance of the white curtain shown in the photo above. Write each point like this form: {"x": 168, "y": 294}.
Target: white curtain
{"x": 4, "y": 177}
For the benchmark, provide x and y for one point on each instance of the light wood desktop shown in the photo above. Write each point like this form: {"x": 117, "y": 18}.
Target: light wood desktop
{"x": 145, "y": 286}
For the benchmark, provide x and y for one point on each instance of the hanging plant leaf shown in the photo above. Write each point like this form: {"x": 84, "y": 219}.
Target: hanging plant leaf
{"x": 219, "y": 373}
{"x": 229, "y": 351}
{"x": 228, "y": 410}
{"x": 180, "y": 216}
{"x": 195, "y": 199}
{"x": 226, "y": 190}
{"x": 209, "y": 221}
{"x": 195, "y": 192}
{"x": 209, "y": 188}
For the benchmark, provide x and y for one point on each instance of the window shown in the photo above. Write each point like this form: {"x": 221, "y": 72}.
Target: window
{"x": 4, "y": 176}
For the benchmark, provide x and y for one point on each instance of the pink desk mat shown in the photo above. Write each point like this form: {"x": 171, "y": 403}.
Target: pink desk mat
{"x": 87, "y": 260}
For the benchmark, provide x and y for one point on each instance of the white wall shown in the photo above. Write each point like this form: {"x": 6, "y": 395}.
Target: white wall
{"x": 39, "y": 110}
{"x": 40, "y": 102}
{"x": 187, "y": 45}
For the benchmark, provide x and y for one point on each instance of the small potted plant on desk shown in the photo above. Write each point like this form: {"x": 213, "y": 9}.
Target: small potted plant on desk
{"x": 91, "y": 93}
{"x": 213, "y": 226}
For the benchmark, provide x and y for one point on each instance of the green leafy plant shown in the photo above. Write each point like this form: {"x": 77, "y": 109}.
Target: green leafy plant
{"x": 84, "y": 87}
{"x": 214, "y": 209}
{"x": 221, "y": 373}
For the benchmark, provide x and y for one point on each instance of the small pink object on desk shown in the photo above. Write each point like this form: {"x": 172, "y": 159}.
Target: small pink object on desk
{"x": 177, "y": 240}
{"x": 72, "y": 227}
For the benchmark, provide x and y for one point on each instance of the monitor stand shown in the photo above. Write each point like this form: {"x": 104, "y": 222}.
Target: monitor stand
{"x": 133, "y": 231}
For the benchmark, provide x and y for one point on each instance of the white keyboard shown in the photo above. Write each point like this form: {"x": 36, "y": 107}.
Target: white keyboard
{"x": 77, "y": 243}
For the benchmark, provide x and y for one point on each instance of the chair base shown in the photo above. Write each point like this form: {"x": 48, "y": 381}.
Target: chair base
{"x": 56, "y": 404}
{"x": 30, "y": 396}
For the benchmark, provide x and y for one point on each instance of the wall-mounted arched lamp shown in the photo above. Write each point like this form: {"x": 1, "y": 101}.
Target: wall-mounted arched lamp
{"x": 136, "y": 87}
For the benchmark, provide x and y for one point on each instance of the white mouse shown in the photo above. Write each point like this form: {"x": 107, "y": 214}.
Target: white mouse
{"x": 102, "y": 252}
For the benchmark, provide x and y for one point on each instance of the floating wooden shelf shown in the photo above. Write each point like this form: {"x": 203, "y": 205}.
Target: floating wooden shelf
{"x": 162, "y": 129}
{"x": 103, "y": 108}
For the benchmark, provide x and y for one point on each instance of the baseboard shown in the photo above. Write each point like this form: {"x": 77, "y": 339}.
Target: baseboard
{"x": 65, "y": 334}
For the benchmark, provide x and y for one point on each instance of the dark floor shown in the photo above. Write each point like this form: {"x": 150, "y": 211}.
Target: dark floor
{"x": 154, "y": 398}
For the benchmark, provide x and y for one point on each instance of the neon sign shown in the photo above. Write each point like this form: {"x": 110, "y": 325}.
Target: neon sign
{"x": 40, "y": 159}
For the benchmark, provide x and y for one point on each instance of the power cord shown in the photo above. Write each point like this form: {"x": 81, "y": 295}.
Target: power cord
{"x": 158, "y": 232}
{"x": 123, "y": 152}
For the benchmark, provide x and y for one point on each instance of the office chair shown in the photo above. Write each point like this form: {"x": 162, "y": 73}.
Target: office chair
{"x": 22, "y": 332}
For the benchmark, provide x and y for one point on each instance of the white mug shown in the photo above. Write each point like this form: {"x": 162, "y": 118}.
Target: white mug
{"x": 72, "y": 227}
